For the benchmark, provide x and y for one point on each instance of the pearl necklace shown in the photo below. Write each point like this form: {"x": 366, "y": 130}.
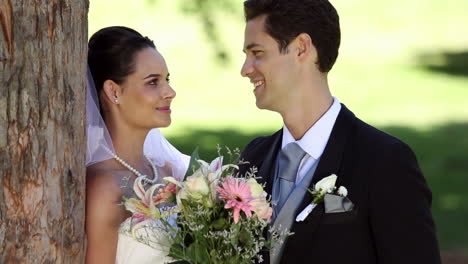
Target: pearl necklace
{"x": 137, "y": 173}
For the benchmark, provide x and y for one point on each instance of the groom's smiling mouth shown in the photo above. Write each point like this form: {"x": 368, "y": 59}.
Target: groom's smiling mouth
{"x": 258, "y": 84}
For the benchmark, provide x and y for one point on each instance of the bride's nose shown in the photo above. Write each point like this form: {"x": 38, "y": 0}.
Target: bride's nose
{"x": 169, "y": 93}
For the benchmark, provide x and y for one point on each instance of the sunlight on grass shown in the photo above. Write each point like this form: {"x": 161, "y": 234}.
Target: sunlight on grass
{"x": 403, "y": 67}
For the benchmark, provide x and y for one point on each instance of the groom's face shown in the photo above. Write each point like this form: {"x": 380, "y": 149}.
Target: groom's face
{"x": 269, "y": 70}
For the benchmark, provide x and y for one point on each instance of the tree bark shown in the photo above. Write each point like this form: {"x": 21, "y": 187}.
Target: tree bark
{"x": 43, "y": 48}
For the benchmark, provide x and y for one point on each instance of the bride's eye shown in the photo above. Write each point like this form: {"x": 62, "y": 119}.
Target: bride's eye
{"x": 168, "y": 80}
{"x": 153, "y": 82}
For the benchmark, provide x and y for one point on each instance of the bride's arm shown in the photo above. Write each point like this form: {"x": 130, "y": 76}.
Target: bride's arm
{"x": 103, "y": 217}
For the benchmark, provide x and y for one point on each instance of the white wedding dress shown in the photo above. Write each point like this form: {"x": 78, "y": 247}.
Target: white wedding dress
{"x": 129, "y": 250}
{"x": 149, "y": 244}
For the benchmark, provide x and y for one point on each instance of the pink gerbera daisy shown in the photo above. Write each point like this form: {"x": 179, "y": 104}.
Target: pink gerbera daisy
{"x": 237, "y": 195}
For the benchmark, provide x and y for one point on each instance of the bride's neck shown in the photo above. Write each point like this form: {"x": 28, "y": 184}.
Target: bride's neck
{"x": 128, "y": 143}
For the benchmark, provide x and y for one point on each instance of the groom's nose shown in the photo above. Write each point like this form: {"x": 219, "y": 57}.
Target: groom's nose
{"x": 247, "y": 69}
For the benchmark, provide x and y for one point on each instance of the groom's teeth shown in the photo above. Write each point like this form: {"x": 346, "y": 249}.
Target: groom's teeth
{"x": 256, "y": 84}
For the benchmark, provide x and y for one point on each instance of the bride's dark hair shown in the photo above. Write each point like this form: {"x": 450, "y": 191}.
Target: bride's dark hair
{"x": 111, "y": 53}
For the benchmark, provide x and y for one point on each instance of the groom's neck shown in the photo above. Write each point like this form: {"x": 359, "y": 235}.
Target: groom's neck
{"x": 305, "y": 109}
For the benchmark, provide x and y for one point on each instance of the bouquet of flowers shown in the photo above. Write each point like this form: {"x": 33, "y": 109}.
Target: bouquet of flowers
{"x": 219, "y": 217}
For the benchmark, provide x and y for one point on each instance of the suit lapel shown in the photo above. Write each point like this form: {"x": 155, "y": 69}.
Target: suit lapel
{"x": 330, "y": 161}
{"x": 264, "y": 158}
{"x": 295, "y": 197}
{"x": 267, "y": 169}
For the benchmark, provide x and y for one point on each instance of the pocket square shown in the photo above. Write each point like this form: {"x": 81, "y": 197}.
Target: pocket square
{"x": 337, "y": 204}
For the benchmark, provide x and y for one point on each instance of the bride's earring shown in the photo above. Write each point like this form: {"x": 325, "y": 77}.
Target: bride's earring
{"x": 116, "y": 100}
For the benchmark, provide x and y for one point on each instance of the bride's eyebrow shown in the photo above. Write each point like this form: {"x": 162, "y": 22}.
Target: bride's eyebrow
{"x": 152, "y": 75}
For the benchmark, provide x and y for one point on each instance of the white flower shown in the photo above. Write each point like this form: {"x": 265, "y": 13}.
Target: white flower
{"x": 174, "y": 180}
{"x": 327, "y": 184}
{"x": 342, "y": 191}
{"x": 196, "y": 185}
{"x": 215, "y": 168}
{"x": 213, "y": 172}
{"x": 262, "y": 208}
{"x": 256, "y": 189}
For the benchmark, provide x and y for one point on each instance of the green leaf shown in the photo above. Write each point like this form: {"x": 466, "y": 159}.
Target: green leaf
{"x": 214, "y": 256}
{"x": 177, "y": 252}
{"x": 235, "y": 234}
{"x": 193, "y": 164}
{"x": 245, "y": 238}
{"x": 220, "y": 224}
{"x": 197, "y": 253}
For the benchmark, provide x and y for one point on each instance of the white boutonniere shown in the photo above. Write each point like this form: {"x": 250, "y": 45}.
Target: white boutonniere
{"x": 323, "y": 187}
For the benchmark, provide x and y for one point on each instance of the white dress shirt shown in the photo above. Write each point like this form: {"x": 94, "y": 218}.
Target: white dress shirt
{"x": 314, "y": 140}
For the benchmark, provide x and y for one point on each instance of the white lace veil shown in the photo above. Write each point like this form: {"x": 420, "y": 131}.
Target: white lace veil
{"x": 156, "y": 146}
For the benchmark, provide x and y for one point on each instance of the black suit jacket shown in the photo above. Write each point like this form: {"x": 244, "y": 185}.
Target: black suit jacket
{"x": 392, "y": 220}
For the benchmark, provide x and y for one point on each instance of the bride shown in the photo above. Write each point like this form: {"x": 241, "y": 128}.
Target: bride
{"x": 128, "y": 96}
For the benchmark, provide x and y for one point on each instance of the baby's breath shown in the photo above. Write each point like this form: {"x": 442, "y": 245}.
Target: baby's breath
{"x": 206, "y": 227}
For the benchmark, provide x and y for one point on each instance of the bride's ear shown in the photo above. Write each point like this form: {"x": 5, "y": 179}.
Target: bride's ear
{"x": 111, "y": 91}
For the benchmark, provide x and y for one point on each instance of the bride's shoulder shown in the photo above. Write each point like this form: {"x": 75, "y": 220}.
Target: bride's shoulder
{"x": 103, "y": 196}
{"x": 103, "y": 183}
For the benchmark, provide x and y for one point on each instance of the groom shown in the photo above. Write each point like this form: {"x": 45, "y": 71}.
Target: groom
{"x": 290, "y": 47}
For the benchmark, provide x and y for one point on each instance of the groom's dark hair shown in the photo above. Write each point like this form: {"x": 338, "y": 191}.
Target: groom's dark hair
{"x": 286, "y": 19}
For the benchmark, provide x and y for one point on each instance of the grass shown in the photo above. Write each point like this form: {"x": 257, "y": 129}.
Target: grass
{"x": 402, "y": 67}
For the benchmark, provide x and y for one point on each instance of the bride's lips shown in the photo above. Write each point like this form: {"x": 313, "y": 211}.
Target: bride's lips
{"x": 164, "y": 109}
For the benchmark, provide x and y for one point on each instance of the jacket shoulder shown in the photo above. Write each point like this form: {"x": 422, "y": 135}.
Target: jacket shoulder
{"x": 376, "y": 138}
{"x": 254, "y": 152}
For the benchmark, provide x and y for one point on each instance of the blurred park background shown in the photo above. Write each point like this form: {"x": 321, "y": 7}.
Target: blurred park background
{"x": 403, "y": 67}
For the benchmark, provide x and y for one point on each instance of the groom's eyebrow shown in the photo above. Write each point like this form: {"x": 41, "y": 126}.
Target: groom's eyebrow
{"x": 251, "y": 46}
{"x": 152, "y": 75}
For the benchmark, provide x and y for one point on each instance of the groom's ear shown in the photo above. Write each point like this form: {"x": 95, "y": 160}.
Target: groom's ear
{"x": 112, "y": 91}
{"x": 305, "y": 49}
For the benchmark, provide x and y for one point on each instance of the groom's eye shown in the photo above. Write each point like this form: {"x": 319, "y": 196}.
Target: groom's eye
{"x": 257, "y": 52}
{"x": 168, "y": 80}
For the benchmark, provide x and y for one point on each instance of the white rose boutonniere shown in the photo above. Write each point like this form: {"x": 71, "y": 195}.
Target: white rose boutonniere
{"x": 324, "y": 186}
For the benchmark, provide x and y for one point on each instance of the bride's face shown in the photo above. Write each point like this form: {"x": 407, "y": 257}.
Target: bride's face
{"x": 145, "y": 96}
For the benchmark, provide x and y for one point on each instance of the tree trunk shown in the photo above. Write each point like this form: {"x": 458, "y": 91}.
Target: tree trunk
{"x": 43, "y": 47}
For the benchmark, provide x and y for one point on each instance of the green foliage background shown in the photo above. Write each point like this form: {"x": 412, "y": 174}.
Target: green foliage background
{"x": 403, "y": 67}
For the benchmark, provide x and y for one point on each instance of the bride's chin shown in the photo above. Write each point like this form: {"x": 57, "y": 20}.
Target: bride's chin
{"x": 164, "y": 123}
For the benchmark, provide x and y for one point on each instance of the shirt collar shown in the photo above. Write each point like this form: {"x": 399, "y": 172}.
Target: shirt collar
{"x": 315, "y": 139}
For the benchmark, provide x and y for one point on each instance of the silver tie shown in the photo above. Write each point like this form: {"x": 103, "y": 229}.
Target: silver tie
{"x": 288, "y": 164}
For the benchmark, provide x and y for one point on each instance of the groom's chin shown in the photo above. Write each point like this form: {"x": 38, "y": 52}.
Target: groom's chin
{"x": 261, "y": 105}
